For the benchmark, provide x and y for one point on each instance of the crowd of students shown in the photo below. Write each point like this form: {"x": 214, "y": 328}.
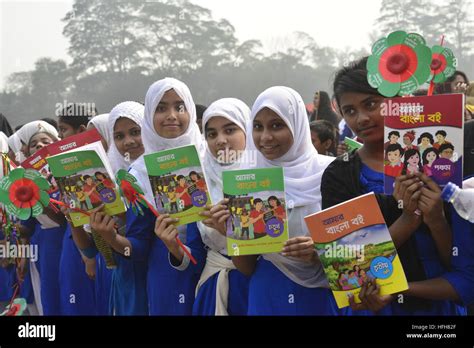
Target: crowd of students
{"x": 154, "y": 276}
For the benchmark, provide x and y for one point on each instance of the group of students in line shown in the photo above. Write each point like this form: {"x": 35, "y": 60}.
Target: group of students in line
{"x": 153, "y": 276}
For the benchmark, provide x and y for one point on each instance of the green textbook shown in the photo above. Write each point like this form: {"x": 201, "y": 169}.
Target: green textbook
{"x": 258, "y": 223}
{"x": 85, "y": 181}
{"x": 178, "y": 183}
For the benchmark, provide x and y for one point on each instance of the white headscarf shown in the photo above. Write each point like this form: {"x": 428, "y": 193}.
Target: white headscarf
{"x": 154, "y": 142}
{"x": 28, "y": 130}
{"x": 133, "y": 111}
{"x": 238, "y": 112}
{"x": 303, "y": 169}
{"x": 101, "y": 123}
{"x": 235, "y": 111}
{"x": 3, "y": 143}
{"x": 15, "y": 145}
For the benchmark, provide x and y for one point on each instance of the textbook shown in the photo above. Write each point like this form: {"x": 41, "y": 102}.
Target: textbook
{"x": 38, "y": 160}
{"x": 424, "y": 134}
{"x": 85, "y": 181}
{"x": 354, "y": 245}
{"x": 178, "y": 183}
{"x": 259, "y": 221}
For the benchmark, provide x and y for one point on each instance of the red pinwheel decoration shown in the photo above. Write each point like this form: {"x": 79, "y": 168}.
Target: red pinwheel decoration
{"x": 129, "y": 189}
{"x": 399, "y": 64}
{"x": 15, "y": 308}
{"x": 443, "y": 64}
{"x": 24, "y": 193}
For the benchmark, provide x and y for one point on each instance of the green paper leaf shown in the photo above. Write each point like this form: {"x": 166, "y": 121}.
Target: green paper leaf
{"x": 16, "y": 174}
{"x": 373, "y": 64}
{"x": 437, "y": 49}
{"x": 396, "y": 38}
{"x": 42, "y": 183}
{"x": 409, "y": 86}
{"x": 32, "y": 174}
{"x": 413, "y": 40}
{"x": 424, "y": 55}
{"x": 5, "y": 183}
{"x": 44, "y": 198}
{"x": 375, "y": 79}
{"x": 379, "y": 47}
{"x": 23, "y": 213}
{"x": 422, "y": 74}
{"x": 389, "y": 89}
{"x": 449, "y": 71}
{"x": 37, "y": 210}
{"x": 4, "y": 197}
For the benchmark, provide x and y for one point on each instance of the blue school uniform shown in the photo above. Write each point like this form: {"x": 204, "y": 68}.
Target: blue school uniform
{"x": 171, "y": 290}
{"x": 7, "y": 279}
{"x": 49, "y": 242}
{"x": 237, "y": 300}
{"x": 461, "y": 276}
{"x": 77, "y": 293}
{"x": 272, "y": 293}
{"x": 102, "y": 284}
{"x": 428, "y": 254}
{"x": 128, "y": 293}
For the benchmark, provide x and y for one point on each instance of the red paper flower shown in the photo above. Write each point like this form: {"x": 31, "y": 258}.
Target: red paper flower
{"x": 399, "y": 64}
{"x": 129, "y": 189}
{"x": 443, "y": 64}
{"x": 24, "y": 193}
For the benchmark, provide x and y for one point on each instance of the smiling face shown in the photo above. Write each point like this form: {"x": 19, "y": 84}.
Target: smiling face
{"x": 362, "y": 113}
{"x": 171, "y": 118}
{"x": 128, "y": 139}
{"x": 406, "y": 141}
{"x": 271, "y": 135}
{"x": 446, "y": 153}
{"x": 425, "y": 142}
{"x": 258, "y": 205}
{"x": 394, "y": 157}
{"x": 393, "y": 139}
{"x": 414, "y": 160}
{"x": 38, "y": 141}
{"x": 440, "y": 138}
{"x": 224, "y": 135}
{"x": 431, "y": 157}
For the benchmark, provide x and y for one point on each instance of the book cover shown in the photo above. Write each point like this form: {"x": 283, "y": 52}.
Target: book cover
{"x": 178, "y": 183}
{"x": 258, "y": 222}
{"x": 424, "y": 134}
{"x": 354, "y": 244}
{"x": 85, "y": 181}
{"x": 38, "y": 160}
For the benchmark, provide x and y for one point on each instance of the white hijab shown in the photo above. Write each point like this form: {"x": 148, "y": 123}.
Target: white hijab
{"x": 101, "y": 123}
{"x": 15, "y": 145}
{"x": 154, "y": 142}
{"x": 238, "y": 112}
{"x": 3, "y": 143}
{"x": 28, "y": 130}
{"x": 303, "y": 169}
{"x": 133, "y": 111}
{"x": 235, "y": 111}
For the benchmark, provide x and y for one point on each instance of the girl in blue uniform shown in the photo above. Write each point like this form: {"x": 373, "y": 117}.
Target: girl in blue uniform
{"x": 77, "y": 288}
{"x": 222, "y": 290}
{"x": 423, "y": 237}
{"x": 48, "y": 228}
{"x": 170, "y": 121}
{"x": 128, "y": 289}
{"x": 291, "y": 282}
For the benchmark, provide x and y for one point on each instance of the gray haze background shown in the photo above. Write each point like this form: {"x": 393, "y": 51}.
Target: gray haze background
{"x": 104, "y": 51}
